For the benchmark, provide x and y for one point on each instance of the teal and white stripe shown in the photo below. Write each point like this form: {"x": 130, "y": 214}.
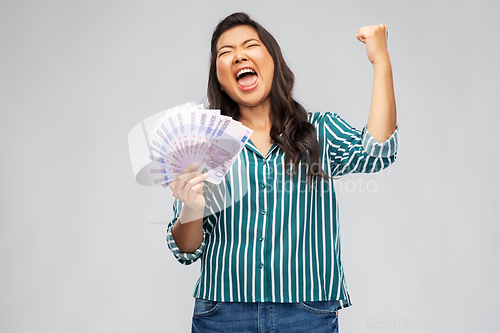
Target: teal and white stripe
{"x": 271, "y": 239}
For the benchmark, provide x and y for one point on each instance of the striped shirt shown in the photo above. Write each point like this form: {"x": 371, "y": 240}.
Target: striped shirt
{"x": 272, "y": 238}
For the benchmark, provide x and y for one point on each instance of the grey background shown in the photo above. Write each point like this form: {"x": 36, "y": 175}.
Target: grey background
{"x": 82, "y": 245}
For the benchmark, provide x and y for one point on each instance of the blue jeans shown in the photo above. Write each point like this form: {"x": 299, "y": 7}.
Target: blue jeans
{"x": 236, "y": 317}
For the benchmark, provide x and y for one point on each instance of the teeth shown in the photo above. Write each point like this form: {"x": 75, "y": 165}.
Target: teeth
{"x": 243, "y": 71}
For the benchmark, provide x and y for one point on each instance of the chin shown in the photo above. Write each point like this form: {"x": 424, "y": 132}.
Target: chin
{"x": 251, "y": 101}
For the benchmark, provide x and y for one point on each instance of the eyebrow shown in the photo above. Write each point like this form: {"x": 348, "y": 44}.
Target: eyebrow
{"x": 232, "y": 47}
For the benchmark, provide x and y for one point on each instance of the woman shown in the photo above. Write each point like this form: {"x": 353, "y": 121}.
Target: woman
{"x": 268, "y": 237}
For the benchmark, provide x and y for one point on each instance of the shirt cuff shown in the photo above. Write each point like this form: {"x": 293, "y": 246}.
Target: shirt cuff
{"x": 380, "y": 149}
{"x": 183, "y": 257}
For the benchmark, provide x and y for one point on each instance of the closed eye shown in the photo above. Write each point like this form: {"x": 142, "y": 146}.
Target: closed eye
{"x": 222, "y": 53}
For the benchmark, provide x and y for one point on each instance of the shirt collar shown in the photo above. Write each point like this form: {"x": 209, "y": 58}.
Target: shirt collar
{"x": 249, "y": 145}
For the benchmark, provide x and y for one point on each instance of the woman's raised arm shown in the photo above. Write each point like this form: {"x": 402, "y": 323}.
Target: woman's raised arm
{"x": 382, "y": 120}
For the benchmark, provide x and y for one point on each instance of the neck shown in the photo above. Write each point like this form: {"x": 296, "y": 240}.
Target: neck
{"x": 257, "y": 118}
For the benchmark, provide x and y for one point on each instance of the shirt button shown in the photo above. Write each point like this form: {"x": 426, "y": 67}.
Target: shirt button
{"x": 261, "y": 238}
{"x": 263, "y": 185}
{"x": 263, "y": 162}
{"x": 263, "y": 212}
{"x": 261, "y": 265}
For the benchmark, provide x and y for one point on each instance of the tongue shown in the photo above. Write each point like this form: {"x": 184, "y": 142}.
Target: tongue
{"x": 247, "y": 80}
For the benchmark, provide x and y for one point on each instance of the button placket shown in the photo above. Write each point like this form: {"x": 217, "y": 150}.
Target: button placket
{"x": 263, "y": 212}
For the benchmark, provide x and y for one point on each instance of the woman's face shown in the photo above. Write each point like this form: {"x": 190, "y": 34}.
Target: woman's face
{"x": 245, "y": 69}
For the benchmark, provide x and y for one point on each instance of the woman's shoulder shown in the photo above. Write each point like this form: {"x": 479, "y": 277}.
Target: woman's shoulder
{"x": 330, "y": 124}
{"x": 318, "y": 119}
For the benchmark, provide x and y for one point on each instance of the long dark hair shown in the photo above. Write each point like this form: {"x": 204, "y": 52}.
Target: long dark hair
{"x": 288, "y": 116}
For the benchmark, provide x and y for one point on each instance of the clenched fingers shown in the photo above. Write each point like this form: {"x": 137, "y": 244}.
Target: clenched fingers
{"x": 184, "y": 188}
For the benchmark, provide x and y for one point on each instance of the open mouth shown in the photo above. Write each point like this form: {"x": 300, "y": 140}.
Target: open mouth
{"x": 247, "y": 79}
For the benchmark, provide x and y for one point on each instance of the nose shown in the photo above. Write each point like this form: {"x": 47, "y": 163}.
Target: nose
{"x": 239, "y": 56}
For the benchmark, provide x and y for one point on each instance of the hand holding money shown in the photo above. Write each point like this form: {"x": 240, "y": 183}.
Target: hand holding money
{"x": 188, "y": 187}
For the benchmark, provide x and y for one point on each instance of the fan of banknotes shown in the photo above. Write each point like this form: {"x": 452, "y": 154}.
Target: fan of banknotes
{"x": 189, "y": 133}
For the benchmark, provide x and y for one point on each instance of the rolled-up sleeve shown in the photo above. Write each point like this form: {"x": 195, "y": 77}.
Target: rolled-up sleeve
{"x": 353, "y": 151}
{"x": 374, "y": 148}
